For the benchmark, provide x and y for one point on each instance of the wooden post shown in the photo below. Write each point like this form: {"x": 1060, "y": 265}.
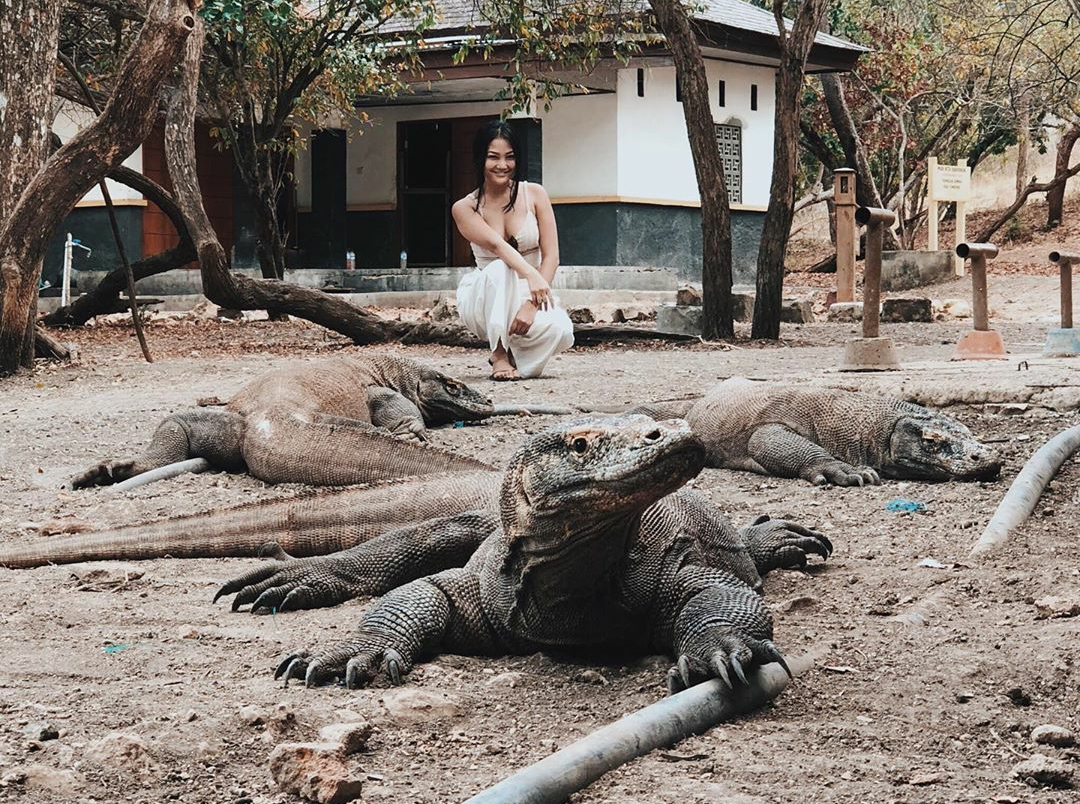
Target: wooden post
{"x": 932, "y": 209}
{"x": 875, "y": 221}
{"x": 846, "y": 239}
{"x": 1065, "y": 260}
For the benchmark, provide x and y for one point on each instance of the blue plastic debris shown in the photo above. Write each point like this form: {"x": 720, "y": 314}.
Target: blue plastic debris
{"x": 116, "y": 648}
{"x": 902, "y": 506}
{"x": 459, "y": 424}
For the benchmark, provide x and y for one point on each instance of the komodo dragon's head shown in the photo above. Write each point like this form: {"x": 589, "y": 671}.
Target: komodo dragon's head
{"x": 925, "y": 445}
{"x": 577, "y": 480}
{"x": 443, "y": 399}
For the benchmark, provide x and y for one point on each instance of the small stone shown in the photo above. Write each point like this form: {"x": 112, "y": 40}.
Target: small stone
{"x": 1057, "y": 606}
{"x": 119, "y": 750}
{"x": 510, "y": 679}
{"x": 688, "y": 296}
{"x": 800, "y": 603}
{"x": 1043, "y": 770}
{"x": 797, "y": 311}
{"x": 742, "y": 306}
{"x": 351, "y": 737}
{"x": 251, "y": 715}
{"x": 408, "y": 704}
{"x": 314, "y": 771}
{"x": 590, "y": 677}
{"x": 1018, "y": 697}
{"x": 1049, "y": 734}
{"x": 965, "y": 696}
{"x": 41, "y": 732}
{"x": 920, "y": 779}
{"x": 845, "y": 312}
{"x": 581, "y": 315}
{"x": 906, "y": 310}
{"x": 191, "y": 715}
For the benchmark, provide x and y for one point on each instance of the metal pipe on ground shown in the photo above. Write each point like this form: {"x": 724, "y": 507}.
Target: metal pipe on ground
{"x": 1024, "y": 493}
{"x": 692, "y": 711}
{"x": 166, "y": 472}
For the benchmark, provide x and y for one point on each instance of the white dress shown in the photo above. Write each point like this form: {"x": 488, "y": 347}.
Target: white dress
{"x": 489, "y": 298}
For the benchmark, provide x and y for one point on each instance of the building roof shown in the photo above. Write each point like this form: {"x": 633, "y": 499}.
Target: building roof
{"x": 735, "y": 21}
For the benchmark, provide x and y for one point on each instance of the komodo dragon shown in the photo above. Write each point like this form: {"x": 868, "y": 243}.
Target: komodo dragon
{"x": 594, "y": 547}
{"x": 320, "y": 423}
{"x": 827, "y": 435}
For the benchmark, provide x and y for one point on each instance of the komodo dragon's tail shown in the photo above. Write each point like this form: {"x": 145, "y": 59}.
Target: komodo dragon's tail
{"x": 310, "y": 524}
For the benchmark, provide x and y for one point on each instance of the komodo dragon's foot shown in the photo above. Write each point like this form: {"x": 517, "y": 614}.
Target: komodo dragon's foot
{"x": 358, "y": 661}
{"x": 780, "y": 544}
{"x": 722, "y": 656}
{"x": 105, "y": 474}
{"x": 843, "y": 474}
{"x": 301, "y": 583}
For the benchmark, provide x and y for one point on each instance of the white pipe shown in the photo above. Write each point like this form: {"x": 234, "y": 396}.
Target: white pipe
{"x": 65, "y": 285}
{"x": 1024, "y": 493}
{"x": 163, "y": 473}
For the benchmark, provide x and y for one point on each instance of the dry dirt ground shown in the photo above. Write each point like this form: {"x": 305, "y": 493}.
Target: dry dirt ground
{"x": 936, "y": 711}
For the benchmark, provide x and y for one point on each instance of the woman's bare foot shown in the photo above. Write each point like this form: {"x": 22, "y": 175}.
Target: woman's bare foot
{"x": 502, "y": 367}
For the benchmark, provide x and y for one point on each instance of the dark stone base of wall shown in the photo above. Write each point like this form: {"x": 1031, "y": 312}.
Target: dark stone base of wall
{"x": 91, "y": 226}
{"x": 652, "y": 235}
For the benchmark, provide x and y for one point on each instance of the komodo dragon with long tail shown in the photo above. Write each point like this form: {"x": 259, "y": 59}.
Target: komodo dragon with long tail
{"x": 594, "y": 546}
{"x": 827, "y": 435}
{"x": 325, "y": 422}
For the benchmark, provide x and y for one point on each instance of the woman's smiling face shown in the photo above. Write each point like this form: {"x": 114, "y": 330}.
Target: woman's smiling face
{"x": 500, "y": 164}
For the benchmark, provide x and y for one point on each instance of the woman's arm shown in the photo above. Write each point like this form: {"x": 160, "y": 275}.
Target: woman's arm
{"x": 549, "y": 235}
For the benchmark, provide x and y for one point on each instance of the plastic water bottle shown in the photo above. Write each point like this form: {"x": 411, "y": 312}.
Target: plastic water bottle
{"x": 350, "y": 260}
{"x": 404, "y": 259}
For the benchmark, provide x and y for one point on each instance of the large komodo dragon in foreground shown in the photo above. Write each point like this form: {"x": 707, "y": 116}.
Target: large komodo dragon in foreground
{"x": 594, "y": 547}
{"x": 827, "y": 435}
{"x": 326, "y": 422}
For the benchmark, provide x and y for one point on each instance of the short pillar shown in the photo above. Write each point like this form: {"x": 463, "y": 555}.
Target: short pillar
{"x": 871, "y": 352}
{"x": 982, "y": 343}
{"x": 846, "y": 238}
{"x": 1064, "y": 342}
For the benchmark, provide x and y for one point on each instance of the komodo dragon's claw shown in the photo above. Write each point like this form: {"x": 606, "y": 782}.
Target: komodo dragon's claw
{"x": 294, "y": 665}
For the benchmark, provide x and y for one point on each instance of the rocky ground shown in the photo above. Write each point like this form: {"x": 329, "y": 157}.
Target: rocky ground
{"x": 927, "y": 671}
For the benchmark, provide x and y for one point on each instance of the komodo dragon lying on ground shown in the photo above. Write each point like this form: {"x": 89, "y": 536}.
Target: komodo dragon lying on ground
{"x": 594, "y": 547}
{"x": 827, "y": 435}
{"x": 322, "y": 423}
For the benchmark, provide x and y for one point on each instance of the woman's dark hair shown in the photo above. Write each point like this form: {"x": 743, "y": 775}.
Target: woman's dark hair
{"x": 495, "y": 130}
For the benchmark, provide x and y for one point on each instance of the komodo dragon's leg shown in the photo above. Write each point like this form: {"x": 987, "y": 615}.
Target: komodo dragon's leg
{"x": 413, "y": 621}
{"x": 721, "y": 629}
{"x": 784, "y": 453}
{"x": 371, "y": 568}
{"x": 211, "y": 434}
{"x": 777, "y": 543}
{"x": 325, "y": 450}
{"x": 391, "y": 410}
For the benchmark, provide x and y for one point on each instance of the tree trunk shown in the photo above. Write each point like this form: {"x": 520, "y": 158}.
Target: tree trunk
{"x": 866, "y": 191}
{"x": 1055, "y": 198}
{"x": 709, "y": 168}
{"x": 30, "y": 29}
{"x": 220, "y": 285}
{"x": 794, "y": 48}
{"x": 80, "y": 164}
{"x": 1023, "y": 143}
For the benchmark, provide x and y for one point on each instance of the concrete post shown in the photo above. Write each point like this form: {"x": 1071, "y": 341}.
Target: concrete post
{"x": 1064, "y": 342}
{"x": 871, "y": 352}
{"x": 983, "y": 343}
{"x": 846, "y": 239}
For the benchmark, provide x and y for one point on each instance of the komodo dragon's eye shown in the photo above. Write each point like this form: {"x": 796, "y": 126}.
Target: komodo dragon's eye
{"x": 453, "y": 390}
{"x": 580, "y": 445}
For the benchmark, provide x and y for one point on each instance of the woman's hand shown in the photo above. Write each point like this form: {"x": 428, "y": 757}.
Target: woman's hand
{"x": 539, "y": 291}
{"x": 524, "y": 318}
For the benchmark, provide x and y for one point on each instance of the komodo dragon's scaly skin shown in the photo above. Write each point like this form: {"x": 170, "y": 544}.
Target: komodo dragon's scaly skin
{"x": 827, "y": 435}
{"x": 316, "y": 523}
{"x": 324, "y": 423}
{"x": 594, "y": 547}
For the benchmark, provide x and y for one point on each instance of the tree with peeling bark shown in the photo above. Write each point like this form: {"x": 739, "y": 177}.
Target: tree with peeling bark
{"x": 795, "y": 47}
{"x": 716, "y": 277}
{"x": 47, "y": 190}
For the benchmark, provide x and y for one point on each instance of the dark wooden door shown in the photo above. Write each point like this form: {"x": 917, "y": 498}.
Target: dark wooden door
{"x": 463, "y": 177}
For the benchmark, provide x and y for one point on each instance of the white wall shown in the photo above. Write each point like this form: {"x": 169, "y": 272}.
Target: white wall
{"x": 654, "y": 149}
{"x": 68, "y": 122}
{"x": 581, "y": 147}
